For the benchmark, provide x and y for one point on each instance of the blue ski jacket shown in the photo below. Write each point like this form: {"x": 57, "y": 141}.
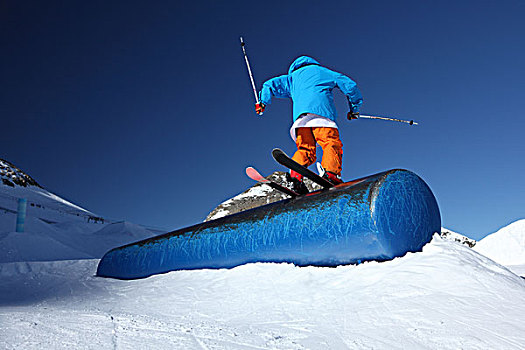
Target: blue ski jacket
{"x": 310, "y": 86}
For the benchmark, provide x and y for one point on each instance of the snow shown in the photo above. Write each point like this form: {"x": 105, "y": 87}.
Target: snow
{"x": 506, "y": 246}
{"x": 67, "y": 240}
{"x": 56, "y": 229}
{"x": 456, "y": 237}
{"x": 41, "y": 204}
{"x": 261, "y": 190}
{"x": 56, "y": 198}
{"x": 446, "y": 297}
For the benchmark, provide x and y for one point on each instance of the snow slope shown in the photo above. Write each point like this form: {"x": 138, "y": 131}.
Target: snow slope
{"x": 41, "y": 203}
{"x": 55, "y": 229}
{"x": 446, "y": 297}
{"x": 506, "y": 246}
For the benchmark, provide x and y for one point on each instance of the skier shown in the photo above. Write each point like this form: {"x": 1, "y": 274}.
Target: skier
{"x": 310, "y": 86}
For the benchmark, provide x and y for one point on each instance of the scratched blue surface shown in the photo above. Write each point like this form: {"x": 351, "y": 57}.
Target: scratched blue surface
{"x": 380, "y": 217}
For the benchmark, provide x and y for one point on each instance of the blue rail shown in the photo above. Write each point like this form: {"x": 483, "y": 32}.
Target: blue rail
{"x": 379, "y": 217}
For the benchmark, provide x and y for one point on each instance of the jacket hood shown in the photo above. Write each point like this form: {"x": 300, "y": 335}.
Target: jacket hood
{"x": 300, "y": 62}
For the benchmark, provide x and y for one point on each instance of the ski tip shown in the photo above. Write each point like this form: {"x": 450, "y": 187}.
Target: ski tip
{"x": 277, "y": 151}
{"x": 253, "y": 174}
{"x": 250, "y": 170}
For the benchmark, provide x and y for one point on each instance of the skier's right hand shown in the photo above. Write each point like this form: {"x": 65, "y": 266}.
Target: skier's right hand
{"x": 259, "y": 108}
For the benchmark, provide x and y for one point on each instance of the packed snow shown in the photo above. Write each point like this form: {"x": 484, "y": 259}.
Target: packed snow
{"x": 56, "y": 229}
{"x": 448, "y": 296}
{"x": 506, "y": 246}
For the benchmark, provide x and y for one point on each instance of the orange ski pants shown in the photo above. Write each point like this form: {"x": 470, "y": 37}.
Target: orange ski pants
{"x": 328, "y": 139}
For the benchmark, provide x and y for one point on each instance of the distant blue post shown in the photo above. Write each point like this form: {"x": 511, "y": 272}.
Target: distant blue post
{"x": 21, "y": 216}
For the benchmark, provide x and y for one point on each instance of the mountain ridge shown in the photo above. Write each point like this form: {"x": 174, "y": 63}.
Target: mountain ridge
{"x": 12, "y": 175}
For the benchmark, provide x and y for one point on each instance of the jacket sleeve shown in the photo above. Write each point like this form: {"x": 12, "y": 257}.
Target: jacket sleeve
{"x": 278, "y": 87}
{"x": 350, "y": 89}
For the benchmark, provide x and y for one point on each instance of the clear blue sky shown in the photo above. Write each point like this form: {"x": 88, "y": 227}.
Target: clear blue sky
{"x": 142, "y": 110}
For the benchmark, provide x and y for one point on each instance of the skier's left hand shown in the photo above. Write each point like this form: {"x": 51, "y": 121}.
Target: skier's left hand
{"x": 259, "y": 108}
{"x": 352, "y": 115}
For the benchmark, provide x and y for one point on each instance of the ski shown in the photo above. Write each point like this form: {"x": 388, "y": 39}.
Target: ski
{"x": 255, "y": 175}
{"x": 288, "y": 162}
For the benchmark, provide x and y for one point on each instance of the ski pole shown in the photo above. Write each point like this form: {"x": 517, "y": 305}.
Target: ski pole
{"x": 411, "y": 122}
{"x": 250, "y": 72}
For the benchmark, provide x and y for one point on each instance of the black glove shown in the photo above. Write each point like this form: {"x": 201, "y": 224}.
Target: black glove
{"x": 352, "y": 115}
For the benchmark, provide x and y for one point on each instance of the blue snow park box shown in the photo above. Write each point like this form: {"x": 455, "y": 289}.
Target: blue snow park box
{"x": 378, "y": 217}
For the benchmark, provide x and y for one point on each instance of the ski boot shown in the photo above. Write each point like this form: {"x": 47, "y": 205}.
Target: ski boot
{"x": 296, "y": 183}
{"x": 328, "y": 175}
{"x": 333, "y": 178}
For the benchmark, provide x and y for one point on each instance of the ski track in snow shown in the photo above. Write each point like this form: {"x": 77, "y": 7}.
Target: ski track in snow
{"x": 446, "y": 297}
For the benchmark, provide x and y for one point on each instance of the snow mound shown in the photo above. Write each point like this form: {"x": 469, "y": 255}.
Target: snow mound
{"x": 124, "y": 228}
{"x": 446, "y": 297}
{"x": 506, "y": 246}
{"x": 29, "y": 246}
{"x": 67, "y": 240}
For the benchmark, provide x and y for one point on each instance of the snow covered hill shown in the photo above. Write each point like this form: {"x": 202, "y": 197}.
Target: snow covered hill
{"x": 446, "y": 297}
{"x": 506, "y": 246}
{"x": 55, "y": 229}
{"x": 41, "y": 204}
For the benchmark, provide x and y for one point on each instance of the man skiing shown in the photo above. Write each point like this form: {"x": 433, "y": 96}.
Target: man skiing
{"x": 310, "y": 86}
